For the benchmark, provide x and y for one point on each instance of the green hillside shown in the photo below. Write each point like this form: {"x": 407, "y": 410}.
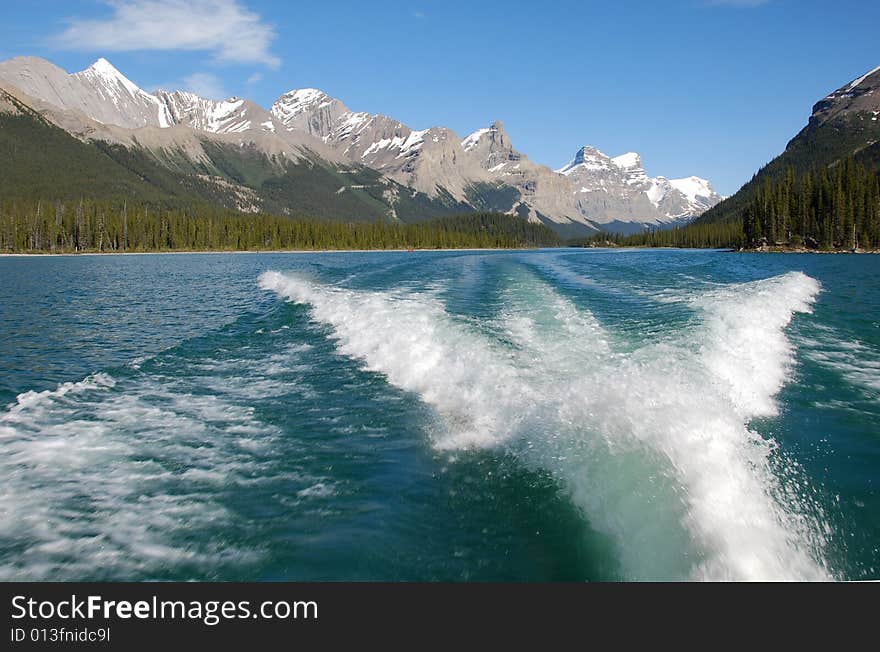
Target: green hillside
{"x": 41, "y": 160}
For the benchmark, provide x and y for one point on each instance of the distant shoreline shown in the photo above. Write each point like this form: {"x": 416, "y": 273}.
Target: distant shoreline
{"x": 366, "y": 251}
{"x": 732, "y": 250}
{"x": 256, "y": 251}
{"x": 803, "y": 250}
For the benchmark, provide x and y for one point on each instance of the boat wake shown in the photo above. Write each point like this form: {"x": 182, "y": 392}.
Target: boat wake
{"x": 651, "y": 442}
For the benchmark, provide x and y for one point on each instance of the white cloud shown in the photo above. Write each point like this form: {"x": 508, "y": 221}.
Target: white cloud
{"x": 205, "y": 85}
{"x": 223, "y": 27}
{"x": 256, "y": 78}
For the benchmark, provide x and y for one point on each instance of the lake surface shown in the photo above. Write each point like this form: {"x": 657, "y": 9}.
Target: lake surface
{"x": 541, "y": 415}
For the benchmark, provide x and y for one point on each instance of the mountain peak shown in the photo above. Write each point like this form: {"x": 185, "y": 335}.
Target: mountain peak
{"x": 697, "y": 190}
{"x": 309, "y": 109}
{"x": 303, "y": 97}
{"x": 588, "y": 152}
{"x": 104, "y": 68}
{"x": 497, "y": 138}
{"x": 301, "y": 100}
{"x": 588, "y": 157}
{"x": 472, "y": 140}
{"x": 103, "y": 64}
{"x": 106, "y": 71}
{"x": 305, "y": 94}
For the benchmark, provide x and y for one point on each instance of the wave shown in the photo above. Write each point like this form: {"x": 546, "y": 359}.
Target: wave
{"x": 652, "y": 443}
{"x": 131, "y": 474}
{"x": 856, "y": 361}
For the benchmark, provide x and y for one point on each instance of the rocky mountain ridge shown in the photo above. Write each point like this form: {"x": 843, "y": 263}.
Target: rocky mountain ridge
{"x": 481, "y": 170}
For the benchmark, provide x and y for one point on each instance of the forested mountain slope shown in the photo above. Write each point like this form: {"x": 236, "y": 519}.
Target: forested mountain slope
{"x": 844, "y": 124}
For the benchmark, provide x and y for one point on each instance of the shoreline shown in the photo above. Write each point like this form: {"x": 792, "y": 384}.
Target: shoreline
{"x": 412, "y": 251}
{"x": 732, "y": 250}
{"x": 255, "y": 251}
{"x": 785, "y": 250}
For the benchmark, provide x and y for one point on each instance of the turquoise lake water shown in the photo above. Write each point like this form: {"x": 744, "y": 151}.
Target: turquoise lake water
{"x": 541, "y": 415}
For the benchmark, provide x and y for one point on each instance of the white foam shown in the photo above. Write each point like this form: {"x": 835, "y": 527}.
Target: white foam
{"x": 653, "y": 445}
{"x": 746, "y": 347}
{"x": 424, "y": 348}
{"x": 114, "y": 478}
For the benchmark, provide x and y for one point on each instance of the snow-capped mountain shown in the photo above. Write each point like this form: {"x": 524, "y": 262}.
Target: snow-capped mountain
{"x": 100, "y": 92}
{"x": 482, "y": 170}
{"x": 428, "y": 160}
{"x": 618, "y": 189}
{"x": 309, "y": 109}
{"x": 105, "y": 95}
{"x": 435, "y": 160}
{"x": 101, "y": 103}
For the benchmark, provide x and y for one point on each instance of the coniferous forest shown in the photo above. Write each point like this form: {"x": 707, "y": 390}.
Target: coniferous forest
{"x": 112, "y": 227}
{"x": 716, "y": 235}
{"x": 829, "y": 208}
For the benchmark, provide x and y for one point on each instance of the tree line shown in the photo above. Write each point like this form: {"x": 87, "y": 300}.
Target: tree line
{"x": 717, "y": 235}
{"x": 85, "y": 226}
{"x": 829, "y": 208}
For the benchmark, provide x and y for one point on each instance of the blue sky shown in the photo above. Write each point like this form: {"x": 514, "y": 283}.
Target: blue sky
{"x": 708, "y": 87}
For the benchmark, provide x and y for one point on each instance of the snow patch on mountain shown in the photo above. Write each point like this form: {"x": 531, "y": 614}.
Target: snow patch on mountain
{"x": 214, "y": 116}
{"x": 628, "y": 161}
{"x": 587, "y": 158}
{"x": 471, "y": 140}
{"x": 857, "y": 82}
{"x": 109, "y": 75}
{"x": 297, "y": 102}
{"x": 694, "y": 188}
{"x": 351, "y": 123}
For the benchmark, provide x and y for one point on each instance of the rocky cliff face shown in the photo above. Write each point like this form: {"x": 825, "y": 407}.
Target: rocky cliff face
{"x": 544, "y": 195}
{"x": 310, "y": 110}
